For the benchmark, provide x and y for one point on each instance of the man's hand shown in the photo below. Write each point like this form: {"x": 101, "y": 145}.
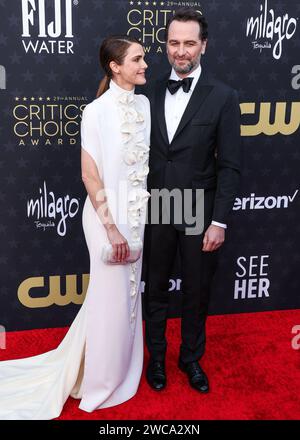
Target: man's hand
{"x": 214, "y": 238}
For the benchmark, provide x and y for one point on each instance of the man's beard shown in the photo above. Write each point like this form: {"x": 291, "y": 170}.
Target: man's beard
{"x": 187, "y": 69}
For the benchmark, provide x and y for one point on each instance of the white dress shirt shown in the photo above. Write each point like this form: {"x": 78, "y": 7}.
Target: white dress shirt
{"x": 175, "y": 106}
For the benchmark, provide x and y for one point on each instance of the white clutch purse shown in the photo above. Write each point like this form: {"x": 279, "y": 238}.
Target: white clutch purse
{"x": 134, "y": 254}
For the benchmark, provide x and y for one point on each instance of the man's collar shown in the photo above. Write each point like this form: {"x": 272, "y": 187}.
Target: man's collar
{"x": 194, "y": 74}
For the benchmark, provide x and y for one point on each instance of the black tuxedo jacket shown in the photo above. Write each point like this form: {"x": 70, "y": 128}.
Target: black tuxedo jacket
{"x": 205, "y": 150}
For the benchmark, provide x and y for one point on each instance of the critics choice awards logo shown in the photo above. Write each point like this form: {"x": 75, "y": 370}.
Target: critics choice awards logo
{"x": 48, "y": 30}
{"x": 269, "y": 31}
{"x": 42, "y": 121}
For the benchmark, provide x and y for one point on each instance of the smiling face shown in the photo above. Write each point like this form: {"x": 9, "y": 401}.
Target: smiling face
{"x": 184, "y": 46}
{"x": 132, "y": 71}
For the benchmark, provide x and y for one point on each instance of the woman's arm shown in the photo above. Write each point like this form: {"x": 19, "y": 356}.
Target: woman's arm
{"x": 95, "y": 189}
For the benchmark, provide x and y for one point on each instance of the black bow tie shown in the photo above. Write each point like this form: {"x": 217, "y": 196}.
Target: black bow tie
{"x": 185, "y": 83}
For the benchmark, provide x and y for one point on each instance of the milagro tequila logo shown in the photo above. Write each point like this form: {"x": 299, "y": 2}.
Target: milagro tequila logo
{"x": 48, "y": 30}
{"x": 270, "y": 31}
{"x": 47, "y": 207}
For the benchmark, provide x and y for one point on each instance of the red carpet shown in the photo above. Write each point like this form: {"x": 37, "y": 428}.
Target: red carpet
{"x": 254, "y": 372}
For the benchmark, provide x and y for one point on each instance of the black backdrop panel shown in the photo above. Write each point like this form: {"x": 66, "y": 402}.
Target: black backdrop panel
{"x": 49, "y": 71}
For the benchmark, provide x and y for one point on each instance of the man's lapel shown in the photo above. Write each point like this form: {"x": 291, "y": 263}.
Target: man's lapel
{"x": 201, "y": 91}
{"x": 160, "y": 107}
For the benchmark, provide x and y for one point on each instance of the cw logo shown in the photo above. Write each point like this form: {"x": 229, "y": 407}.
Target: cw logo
{"x": 2, "y": 78}
{"x": 264, "y": 126}
{"x": 53, "y": 295}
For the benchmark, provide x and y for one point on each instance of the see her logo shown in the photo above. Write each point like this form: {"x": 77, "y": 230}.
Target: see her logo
{"x": 296, "y": 339}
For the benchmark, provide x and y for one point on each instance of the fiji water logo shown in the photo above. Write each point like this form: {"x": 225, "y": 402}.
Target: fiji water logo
{"x": 46, "y": 30}
{"x": 269, "y": 30}
{"x": 50, "y": 211}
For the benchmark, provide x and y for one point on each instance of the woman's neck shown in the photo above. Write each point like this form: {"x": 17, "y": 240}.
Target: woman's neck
{"x": 123, "y": 84}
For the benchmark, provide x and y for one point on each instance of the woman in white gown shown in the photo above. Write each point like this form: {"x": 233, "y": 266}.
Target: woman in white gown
{"x": 100, "y": 359}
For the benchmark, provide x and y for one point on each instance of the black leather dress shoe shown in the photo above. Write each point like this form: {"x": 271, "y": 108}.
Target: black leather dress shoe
{"x": 197, "y": 378}
{"x": 156, "y": 375}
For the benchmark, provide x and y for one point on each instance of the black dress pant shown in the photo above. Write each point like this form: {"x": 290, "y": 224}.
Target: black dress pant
{"x": 197, "y": 269}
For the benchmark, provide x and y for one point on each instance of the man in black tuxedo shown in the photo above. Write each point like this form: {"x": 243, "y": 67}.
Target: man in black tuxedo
{"x": 195, "y": 144}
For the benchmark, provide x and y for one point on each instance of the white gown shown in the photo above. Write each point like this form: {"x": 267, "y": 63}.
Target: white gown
{"x": 100, "y": 359}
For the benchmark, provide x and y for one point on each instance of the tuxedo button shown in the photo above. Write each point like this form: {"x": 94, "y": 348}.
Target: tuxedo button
{"x": 169, "y": 160}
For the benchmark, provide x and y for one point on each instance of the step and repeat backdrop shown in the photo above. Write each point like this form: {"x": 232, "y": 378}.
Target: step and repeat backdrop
{"x": 49, "y": 71}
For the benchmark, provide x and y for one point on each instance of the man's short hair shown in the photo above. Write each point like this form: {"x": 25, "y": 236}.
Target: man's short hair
{"x": 189, "y": 14}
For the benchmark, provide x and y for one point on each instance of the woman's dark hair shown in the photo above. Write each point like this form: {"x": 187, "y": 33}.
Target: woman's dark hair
{"x": 189, "y": 14}
{"x": 113, "y": 48}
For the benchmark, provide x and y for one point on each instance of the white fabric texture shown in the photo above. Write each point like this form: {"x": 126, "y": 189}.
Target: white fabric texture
{"x": 100, "y": 359}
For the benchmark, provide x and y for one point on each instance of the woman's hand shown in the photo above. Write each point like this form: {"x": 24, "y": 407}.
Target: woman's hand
{"x": 118, "y": 242}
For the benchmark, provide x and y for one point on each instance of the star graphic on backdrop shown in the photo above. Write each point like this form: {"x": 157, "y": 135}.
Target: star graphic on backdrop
{"x": 22, "y": 195}
{"x": 223, "y": 23}
{"x": 15, "y": 58}
{"x": 40, "y": 59}
{"x": 243, "y": 59}
{"x": 22, "y": 163}
{"x": 9, "y": 146}
{"x": 231, "y": 76}
{"x": 235, "y": 6}
{"x": 252, "y": 76}
{"x": 24, "y": 228}
{"x": 75, "y": 77}
{"x": 57, "y": 178}
{"x": 13, "y": 244}
{"x": 11, "y": 180}
{"x": 25, "y": 258}
{"x": 63, "y": 60}
{"x": 296, "y": 155}
{"x": 14, "y": 20}
{"x": 273, "y": 76}
{"x": 47, "y": 257}
{"x": 264, "y": 58}
{"x": 98, "y": 4}
{"x": 279, "y": 7}
{"x": 212, "y": 42}
{"x": 110, "y": 22}
{"x": 86, "y": 22}
{"x": 3, "y": 40}
{"x": 233, "y": 41}
{"x": 213, "y": 5}
{"x": 34, "y": 179}
{"x": 87, "y": 59}
{"x": 3, "y": 228}
{"x": 221, "y": 58}
{"x": 36, "y": 242}
{"x": 52, "y": 76}
{"x": 27, "y": 76}
{"x": 261, "y": 93}
{"x": 45, "y": 162}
